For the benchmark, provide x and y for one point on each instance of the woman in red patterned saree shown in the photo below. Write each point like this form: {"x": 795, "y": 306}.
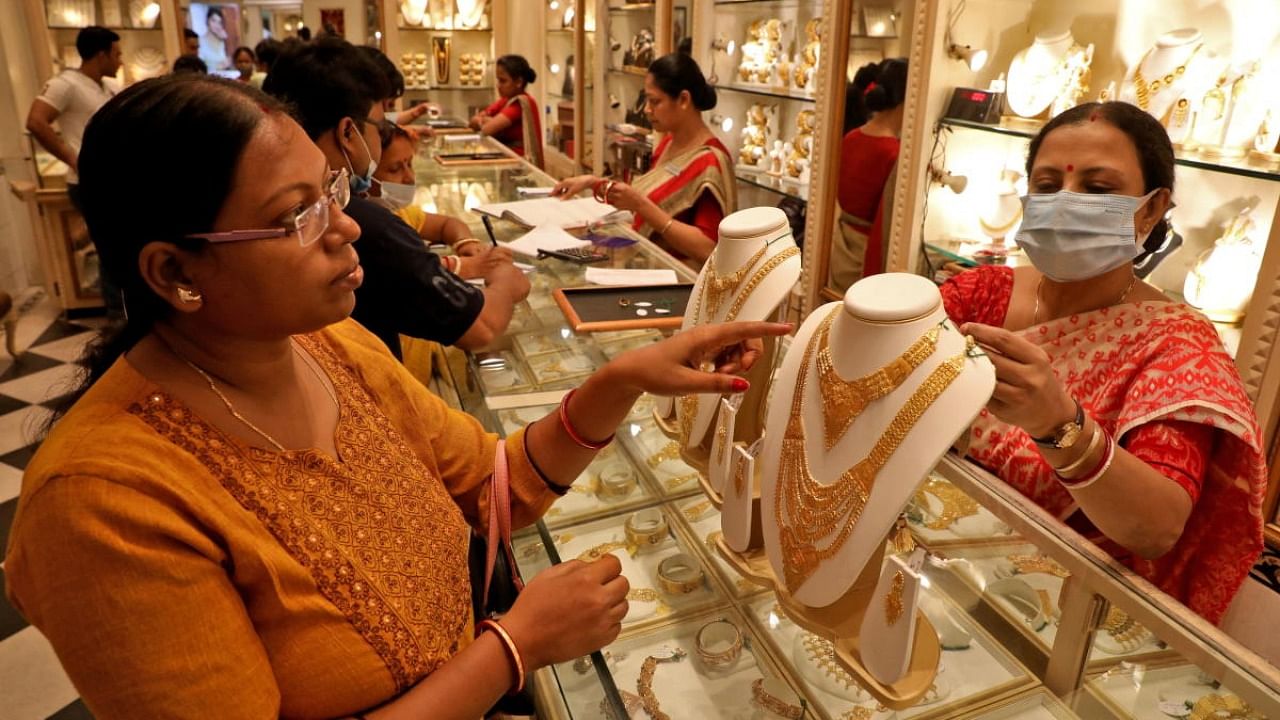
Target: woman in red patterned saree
{"x": 681, "y": 201}
{"x": 1167, "y": 472}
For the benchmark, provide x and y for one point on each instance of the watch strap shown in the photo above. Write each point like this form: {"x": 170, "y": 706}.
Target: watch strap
{"x": 1051, "y": 441}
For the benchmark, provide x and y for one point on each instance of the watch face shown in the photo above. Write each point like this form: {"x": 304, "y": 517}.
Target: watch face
{"x": 1069, "y": 434}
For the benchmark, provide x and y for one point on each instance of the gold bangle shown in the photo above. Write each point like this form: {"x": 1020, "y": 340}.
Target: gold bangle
{"x": 464, "y": 241}
{"x": 773, "y": 704}
{"x": 718, "y": 643}
{"x": 615, "y": 482}
{"x": 679, "y": 574}
{"x": 665, "y": 228}
{"x": 646, "y": 529}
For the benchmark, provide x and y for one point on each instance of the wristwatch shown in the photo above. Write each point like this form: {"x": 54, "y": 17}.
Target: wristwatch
{"x": 1065, "y": 435}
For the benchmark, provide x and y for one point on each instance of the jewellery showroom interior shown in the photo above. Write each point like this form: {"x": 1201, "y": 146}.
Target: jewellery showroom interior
{"x": 911, "y": 566}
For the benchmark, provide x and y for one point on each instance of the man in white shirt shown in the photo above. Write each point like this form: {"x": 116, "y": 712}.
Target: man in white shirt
{"x": 71, "y": 98}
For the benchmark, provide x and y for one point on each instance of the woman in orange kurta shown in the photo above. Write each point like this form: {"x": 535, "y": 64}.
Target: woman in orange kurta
{"x": 254, "y": 511}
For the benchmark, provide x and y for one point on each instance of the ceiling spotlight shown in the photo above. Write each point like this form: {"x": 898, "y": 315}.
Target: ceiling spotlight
{"x": 975, "y": 59}
{"x": 554, "y": 5}
{"x": 725, "y": 123}
{"x": 614, "y": 45}
{"x": 724, "y": 45}
{"x": 555, "y": 68}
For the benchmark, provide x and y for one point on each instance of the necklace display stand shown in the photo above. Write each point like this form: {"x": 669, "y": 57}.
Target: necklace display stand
{"x": 894, "y": 322}
{"x": 1048, "y": 77}
{"x": 1177, "y": 66}
{"x": 750, "y": 273}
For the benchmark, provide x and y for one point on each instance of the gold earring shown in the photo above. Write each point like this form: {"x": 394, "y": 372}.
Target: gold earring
{"x": 189, "y": 296}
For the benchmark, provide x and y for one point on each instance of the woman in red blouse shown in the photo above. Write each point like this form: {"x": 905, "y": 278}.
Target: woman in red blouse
{"x": 681, "y": 201}
{"x": 513, "y": 117}
{"x": 868, "y": 157}
{"x": 1168, "y": 473}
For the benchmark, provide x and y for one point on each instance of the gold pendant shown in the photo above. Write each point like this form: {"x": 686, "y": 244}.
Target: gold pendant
{"x": 893, "y": 601}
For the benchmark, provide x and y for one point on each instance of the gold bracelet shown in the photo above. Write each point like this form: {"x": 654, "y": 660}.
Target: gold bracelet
{"x": 693, "y": 512}
{"x": 1094, "y": 440}
{"x": 718, "y": 643}
{"x": 665, "y": 228}
{"x": 644, "y": 683}
{"x": 679, "y": 574}
{"x": 615, "y": 482}
{"x": 463, "y": 242}
{"x": 603, "y": 549}
{"x": 774, "y": 705}
{"x": 1028, "y": 564}
{"x": 1214, "y": 706}
{"x": 646, "y": 529}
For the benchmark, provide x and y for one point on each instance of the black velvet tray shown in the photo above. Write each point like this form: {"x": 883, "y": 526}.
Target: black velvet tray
{"x": 595, "y": 308}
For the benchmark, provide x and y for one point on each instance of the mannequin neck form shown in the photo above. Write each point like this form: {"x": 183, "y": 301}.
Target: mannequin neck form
{"x": 732, "y": 253}
{"x": 1179, "y": 38}
{"x": 1054, "y": 44}
{"x": 869, "y": 330}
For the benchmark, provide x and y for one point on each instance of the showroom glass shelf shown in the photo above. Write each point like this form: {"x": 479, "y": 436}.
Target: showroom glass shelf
{"x": 773, "y": 184}
{"x": 764, "y": 92}
{"x": 1241, "y": 166}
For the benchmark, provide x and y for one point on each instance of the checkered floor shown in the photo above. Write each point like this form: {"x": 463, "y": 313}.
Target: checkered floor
{"x": 32, "y": 684}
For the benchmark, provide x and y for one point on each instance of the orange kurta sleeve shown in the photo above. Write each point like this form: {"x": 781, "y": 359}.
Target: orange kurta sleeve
{"x": 103, "y": 565}
{"x": 450, "y": 439}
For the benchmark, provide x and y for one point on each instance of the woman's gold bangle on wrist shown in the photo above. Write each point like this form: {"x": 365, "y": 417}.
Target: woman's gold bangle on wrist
{"x": 646, "y": 529}
{"x": 718, "y": 643}
{"x": 615, "y": 482}
{"x": 1094, "y": 441}
{"x": 463, "y": 243}
{"x": 679, "y": 574}
{"x": 665, "y": 228}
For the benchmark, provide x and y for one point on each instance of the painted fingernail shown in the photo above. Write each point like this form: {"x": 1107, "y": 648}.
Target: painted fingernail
{"x": 740, "y": 385}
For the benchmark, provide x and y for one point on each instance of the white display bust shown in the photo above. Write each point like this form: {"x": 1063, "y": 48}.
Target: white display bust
{"x": 1183, "y": 48}
{"x": 1041, "y": 73}
{"x": 743, "y": 235}
{"x": 881, "y": 317}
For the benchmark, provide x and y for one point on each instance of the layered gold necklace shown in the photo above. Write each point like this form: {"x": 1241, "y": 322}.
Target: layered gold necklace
{"x": 844, "y": 400}
{"x": 716, "y": 287}
{"x": 1145, "y": 90}
{"x": 807, "y": 510}
{"x": 688, "y": 405}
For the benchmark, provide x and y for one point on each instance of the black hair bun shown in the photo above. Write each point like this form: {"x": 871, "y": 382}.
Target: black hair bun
{"x": 704, "y": 96}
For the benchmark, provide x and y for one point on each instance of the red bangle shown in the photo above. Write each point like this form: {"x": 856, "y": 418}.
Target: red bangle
{"x": 573, "y": 433}
{"x": 517, "y": 663}
{"x": 1099, "y": 470}
{"x": 595, "y": 190}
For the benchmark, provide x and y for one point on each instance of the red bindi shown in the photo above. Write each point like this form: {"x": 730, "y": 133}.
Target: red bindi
{"x": 1070, "y": 168}
{"x": 1093, "y": 117}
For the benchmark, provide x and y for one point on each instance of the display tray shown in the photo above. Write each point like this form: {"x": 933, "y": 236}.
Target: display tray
{"x": 659, "y": 458}
{"x": 1037, "y": 704}
{"x": 589, "y": 309}
{"x": 968, "y": 678}
{"x": 688, "y": 687}
{"x": 1146, "y": 692}
{"x": 476, "y": 158}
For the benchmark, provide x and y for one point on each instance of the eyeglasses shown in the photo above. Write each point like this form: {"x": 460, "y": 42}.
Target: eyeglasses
{"x": 310, "y": 224}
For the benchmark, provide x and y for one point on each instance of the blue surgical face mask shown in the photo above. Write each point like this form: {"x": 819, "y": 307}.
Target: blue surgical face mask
{"x": 1072, "y": 236}
{"x": 397, "y": 195}
{"x": 361, "y": 183}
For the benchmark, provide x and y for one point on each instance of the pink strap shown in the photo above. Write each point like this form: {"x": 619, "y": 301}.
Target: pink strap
{"x": 500, "y": 519}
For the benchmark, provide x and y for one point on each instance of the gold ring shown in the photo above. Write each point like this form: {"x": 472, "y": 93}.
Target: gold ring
{"x": 646, "y": 529}
{"x": 718, "y": 643}
{"x": 679, "y": 574}
{"x": 615, "y": 482}
{"x": 623, "y": 302}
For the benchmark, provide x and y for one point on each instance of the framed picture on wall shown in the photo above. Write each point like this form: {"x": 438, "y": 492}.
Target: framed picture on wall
{"x": 679, "y": 26}
{"x": 219, "y": 29}
{"x": 333, "y": 21}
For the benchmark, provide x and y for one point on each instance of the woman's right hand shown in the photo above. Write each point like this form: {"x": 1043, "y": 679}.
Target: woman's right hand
{"x": 570, "y": 187}
{"x": 481, "y": 263}
{"x": 568, "y": 610}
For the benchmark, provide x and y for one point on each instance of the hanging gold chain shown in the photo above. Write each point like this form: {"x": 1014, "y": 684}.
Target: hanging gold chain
{"x": 232, "y": 409}
{"x": 844, "y": 400}
{"x": 807, "y": 510}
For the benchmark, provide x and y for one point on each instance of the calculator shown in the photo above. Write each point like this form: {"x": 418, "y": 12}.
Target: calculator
{"x": 583, "y": 255}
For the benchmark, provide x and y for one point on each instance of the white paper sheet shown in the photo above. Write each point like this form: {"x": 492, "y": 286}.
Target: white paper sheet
{"x": 575, "y": 213}
{"x": 545, "y": 237}
{"x": 624, "y": 276}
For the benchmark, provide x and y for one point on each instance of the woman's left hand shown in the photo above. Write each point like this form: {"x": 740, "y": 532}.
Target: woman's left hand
{"x": 1028, "y": 393}
{"x": 703, "y": 359}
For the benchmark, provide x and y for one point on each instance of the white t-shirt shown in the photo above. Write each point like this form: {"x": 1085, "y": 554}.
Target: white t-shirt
{"x": 76, "y": 98}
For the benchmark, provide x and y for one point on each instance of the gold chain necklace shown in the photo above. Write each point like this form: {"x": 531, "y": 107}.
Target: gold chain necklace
{"x": 644, "y": 683}
{"x": 232, "y": 409}
{"x": 844, "y": 400}
{"x": 1035, "y": 313}
{"x": 807, "y": 510}
{"x": 1145, "y": 90}
{"x": 955, "y": 504}
{"x": 688, "y": 405}
{"x": 716, "y": 286}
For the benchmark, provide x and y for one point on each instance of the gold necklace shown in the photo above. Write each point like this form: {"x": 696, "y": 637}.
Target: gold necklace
{"x": 807, "y": 510}
{"x": 1145, "y": 90}
{"x": 670, "y": 451}
{"x": 644, "y": 683}
{"x": 1035, "y": 313}
{"x": 822, "y": 654}
{"x": 693, "y": 512}
{"x": 775, "y": 705}
{"x": 844, "y": 400}
{"x": 716, "y": 286}
{"x": 955, "y": 504}
{"x": 231, "y": 408}
{"x": 1217, "y": 707}
{"x": 688, "y": 404}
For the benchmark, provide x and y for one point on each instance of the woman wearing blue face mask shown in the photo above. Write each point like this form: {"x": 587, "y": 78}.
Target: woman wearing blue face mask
{"x": 396, "y": 187}
{"x": 1117, "y": 409}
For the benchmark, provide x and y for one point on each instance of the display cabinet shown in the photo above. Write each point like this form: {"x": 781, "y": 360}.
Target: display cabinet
{"x": 149, "y": 34}
{"x": 445, "y": 50}
{"x": 1221, "y": 256}
{"x": 1034, "y": 621}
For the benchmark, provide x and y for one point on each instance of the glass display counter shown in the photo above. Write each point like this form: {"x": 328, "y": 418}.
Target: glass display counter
{"x": 1034, "y": 621}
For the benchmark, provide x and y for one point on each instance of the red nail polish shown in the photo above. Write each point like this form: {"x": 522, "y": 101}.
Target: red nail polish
{"x": 740, "y": 385}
